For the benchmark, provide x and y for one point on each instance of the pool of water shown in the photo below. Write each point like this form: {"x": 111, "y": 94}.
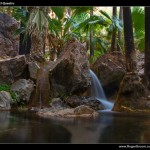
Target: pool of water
{"x": 109, "y": 127}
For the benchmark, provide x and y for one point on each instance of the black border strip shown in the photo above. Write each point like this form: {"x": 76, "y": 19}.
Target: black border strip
{"x": 74, "y": 3}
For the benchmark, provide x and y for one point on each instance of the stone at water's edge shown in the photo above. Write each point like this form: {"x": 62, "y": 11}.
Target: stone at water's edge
{"x": 70, "y": 73}
{"x": 12, "y": 69}
{"x": 58, "y": 103}
{"x": 75, "y": 101}
{"x": 5, "y": 100}
{"x": 110, "y": 69}
{"x": 23, "y": 88}
{"x": 80, "y": 111}
{"x": 132, "y": 95}
{"x": 9, "y": 44}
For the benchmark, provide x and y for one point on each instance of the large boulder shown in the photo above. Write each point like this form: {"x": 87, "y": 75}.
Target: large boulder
{"x": 75, "y": 101}
{"x": 23, "y": 88}
{"x": 132, "y": 95}
{"x": 33, "y": 68}
{"x": 70, "y": 73}
{"x": 9, "y": 44}
{"x": 5, "y": 100}
{"x": 12, "y": 69}
{"x": 110, "y": 69}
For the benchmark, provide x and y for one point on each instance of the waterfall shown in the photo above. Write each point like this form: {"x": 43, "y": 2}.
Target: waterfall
{"x": 43, "y": 85}
{"x": 98, "y": 92}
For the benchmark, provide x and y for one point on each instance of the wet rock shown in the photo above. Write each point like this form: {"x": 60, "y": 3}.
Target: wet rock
{"x": 132, "y": 95}
{"x": 110, "y": 69}
{"x": 9, "y": 44}
{"x": 33, "y": 69}
{"x": 93, "y": 103}
{"x": 23, "y": 88}
{"x": 71, "y": 71}
{"x": 12, "y": 69}
{"x": 75, "y": 101}
{"x": 5, "y": 100}
{"x": 58, "y": 103}
{"x": 81, "y": 111}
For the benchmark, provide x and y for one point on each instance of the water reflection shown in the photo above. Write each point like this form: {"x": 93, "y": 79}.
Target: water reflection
{"x": 109, "y": 127}
{"x": 23, "y": 128}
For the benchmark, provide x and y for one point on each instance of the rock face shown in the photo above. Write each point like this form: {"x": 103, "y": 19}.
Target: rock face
{"x": 33, "y": 69}
{"x": 9, "y": 44}
{"x": 5, "y": 100}
{"x": 110, "y": 69}
{"x": 23, "y": 88}
{"x": 132, "y": 95}
{"x": 70, "y": 73}
{"x": 12, "y": 69}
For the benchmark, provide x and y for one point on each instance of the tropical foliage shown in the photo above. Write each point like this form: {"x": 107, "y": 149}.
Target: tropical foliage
{"x": 62, "y": 26}
{"x": 138, "y": 26}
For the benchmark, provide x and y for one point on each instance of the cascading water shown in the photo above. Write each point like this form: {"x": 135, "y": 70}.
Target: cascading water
{"x": 42, "y": 85}
{"x": 98, "y": 92}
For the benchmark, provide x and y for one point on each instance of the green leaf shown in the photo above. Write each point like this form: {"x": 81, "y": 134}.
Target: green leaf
{"x": 59, "y": 11}
{"x": 79, "y": 10}
{"x": 19, "y": 31}
{"x": 105, "y": 14}
{"x": 138, "y": 21}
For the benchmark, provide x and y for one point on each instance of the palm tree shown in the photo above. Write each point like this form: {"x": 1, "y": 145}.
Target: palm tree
{"x": 114, "y": 41}
{"x": 37, "y": 27}
{"x": 147, "y": 47}
{"x": 130, "y": 54}
{"x": 25, "y": 40}
{"x": 120, "y": 32}
{"x": 91, "y": 36}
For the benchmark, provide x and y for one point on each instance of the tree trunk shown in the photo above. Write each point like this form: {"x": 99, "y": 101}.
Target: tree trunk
{"x": 24, "y": 44}
{"x": 37, "y": 45}
{"x": 113, "y": 41}
{"x": 147, "y": 47}
{"x": 119, "y": 32}
{"x": 91, "y": 37}
{"x": 130, "y": 54}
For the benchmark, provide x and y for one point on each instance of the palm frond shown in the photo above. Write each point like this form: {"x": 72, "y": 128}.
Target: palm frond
{"x": 92, "y": 21}
{"x": 55, "y": 26}
{"x": 79, "y": 10}
{"x": 59, "y": 11}
{"x": 138, "y": 21}
{"x": 138, "y": 18}
{"x": 38, "y": 22}
{"x": 20, "y": 14}
{"x": 105, "y": 14}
